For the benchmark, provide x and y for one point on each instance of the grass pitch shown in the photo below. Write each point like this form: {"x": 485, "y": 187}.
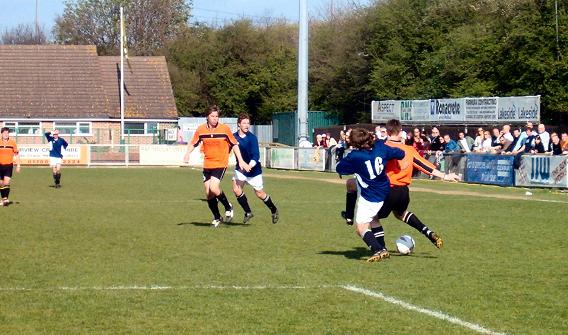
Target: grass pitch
{"x": 130, "y": 251}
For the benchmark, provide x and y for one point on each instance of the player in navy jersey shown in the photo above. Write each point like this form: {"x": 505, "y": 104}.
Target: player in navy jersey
{"x": 248, "y": 143}
{"x": 56, "y": 144}
{"x": 367, "y": 163}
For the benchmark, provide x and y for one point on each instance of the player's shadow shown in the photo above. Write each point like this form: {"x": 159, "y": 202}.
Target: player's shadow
{"x": 208, "y": 224}
{"x": 360, "y": 253}
{"x": 355, "y": 253}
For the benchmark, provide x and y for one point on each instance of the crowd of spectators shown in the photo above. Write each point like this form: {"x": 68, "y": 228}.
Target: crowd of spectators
{"x": 501, "y": 141}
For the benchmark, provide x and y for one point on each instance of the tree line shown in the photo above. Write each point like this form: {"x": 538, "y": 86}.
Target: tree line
{"x": 391, "y": 49}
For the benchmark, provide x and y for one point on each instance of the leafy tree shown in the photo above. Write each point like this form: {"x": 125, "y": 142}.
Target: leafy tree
{"x": 150, "y": 24}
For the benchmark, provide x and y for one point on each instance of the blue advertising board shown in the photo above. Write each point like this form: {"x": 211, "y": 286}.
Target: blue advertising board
{"x": 490, "y": 169}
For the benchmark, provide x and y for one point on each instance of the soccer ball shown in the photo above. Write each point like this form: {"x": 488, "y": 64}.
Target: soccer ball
{"x": 405, "y": 245}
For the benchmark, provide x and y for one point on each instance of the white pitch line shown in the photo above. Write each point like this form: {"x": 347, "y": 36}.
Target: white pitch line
{"x": 351, "y": 288}
{"x": 433, "y": 313}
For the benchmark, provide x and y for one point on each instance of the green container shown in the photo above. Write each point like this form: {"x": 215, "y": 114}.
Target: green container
{"x": 285, "y": 126}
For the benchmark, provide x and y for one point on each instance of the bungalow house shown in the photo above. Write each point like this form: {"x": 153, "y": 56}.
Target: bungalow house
{"x": 71, "y": 88}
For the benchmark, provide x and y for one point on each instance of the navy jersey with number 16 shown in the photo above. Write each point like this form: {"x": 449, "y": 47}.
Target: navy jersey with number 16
{"x": 368, "y": 166}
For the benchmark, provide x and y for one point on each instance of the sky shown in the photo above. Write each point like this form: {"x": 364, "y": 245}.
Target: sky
{"x": 14, "y": 12}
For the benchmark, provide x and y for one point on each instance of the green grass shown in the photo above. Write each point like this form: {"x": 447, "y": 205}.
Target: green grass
{"x": 504, "y": 265}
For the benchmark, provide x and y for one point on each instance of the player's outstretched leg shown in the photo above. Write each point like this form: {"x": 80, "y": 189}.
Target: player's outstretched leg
{"x": 412, "y": 220}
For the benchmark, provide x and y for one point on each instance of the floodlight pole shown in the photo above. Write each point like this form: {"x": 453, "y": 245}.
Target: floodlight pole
{"x": 303, "y": 72}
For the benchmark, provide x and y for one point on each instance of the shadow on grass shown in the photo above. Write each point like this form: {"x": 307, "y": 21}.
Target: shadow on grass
{"x": 208, "y": 224}
{"x": 360, "y": 253}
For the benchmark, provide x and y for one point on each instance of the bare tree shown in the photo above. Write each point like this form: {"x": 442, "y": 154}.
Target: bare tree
{"x": 24, "y": 34}
{"x": 150, "y": 24}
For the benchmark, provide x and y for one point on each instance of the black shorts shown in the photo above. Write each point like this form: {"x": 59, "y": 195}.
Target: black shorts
{"x": 217, "y": 173}
{"x": 6, "y": 170}
{"x": 397, "y": 201}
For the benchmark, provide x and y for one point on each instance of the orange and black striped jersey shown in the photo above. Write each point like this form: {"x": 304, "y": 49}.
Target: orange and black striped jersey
{"x": 217, "y": 143}
{"x": 400, "y": 172}
{"x": 7, "y": 151}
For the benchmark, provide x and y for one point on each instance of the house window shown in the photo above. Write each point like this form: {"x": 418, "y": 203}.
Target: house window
{"x": 83, "y": 128}
{"x": 134, "y": 128}
{"x": 24, "y": 128}
{"x": 73, "y": 128}
{"x": 140, "y": 128}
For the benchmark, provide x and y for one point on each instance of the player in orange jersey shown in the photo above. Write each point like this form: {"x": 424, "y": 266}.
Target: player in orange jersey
{"x": 400, "y": 176}
{"x": 8, "y": 154}
{"x": 217, "y": 141}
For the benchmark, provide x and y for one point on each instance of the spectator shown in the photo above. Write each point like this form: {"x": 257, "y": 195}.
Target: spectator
{"x": 419, "y": 142}
{"x": 435, "y": 144}
{"x": 564, "y": 141}
{"x": 403, "y": 136}
{"x": 538, "y": 146}
{"x": 495, "y": 137}
{"x": 516, "y": 136}
{"x": 527, "y": 144}
{"x": 504, "y": 144}
{"x": 486, "y": 144}
{"x": 555, "y": 147}
{"x": 465, "y": 142}
{"x": 450, "y": 145}
{"x": 331, "y": 141}
{"x": 521, "y": 141}
{"x": 544, "y": 136}
{"x": 319, "y": 139}
{"x": 507, "y": 133}
{"x": 341, "y": 146}
{"x": 381, "y": 133}
{"x": 479, "y": 139}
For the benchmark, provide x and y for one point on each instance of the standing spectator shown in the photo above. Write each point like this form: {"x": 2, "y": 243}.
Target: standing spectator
{"x": 538, "y": 146}
{"x": 486, "y": 144}
{"x": 318, "y": 141}
{"x": 507, "y": 133}
{"x": 341, "y": 146}
{"x": 465, "y": 142}
{"x": 521, "y": 141}
{"x": 56, "y": 143}
{"x": 477, "y": 144}
{"x": 403, "y": 136}
{"x": 418, "y": 141}
{"x": 381, "y": 133}
{"x": 504, "y": 144}
{"x": 331, "y": 141}
{"x": 555, "y": 147}
{"x": 495, "y": 137}
{"x": 527, "y": 144}
{"x": 435, "y": 144}
{"x": 450, "y": 145}
{"x": 516, "y": 137}
{"x": 8, "y": 154}
{"x": 564, "y": 141}
{"x": 544, "y": 135}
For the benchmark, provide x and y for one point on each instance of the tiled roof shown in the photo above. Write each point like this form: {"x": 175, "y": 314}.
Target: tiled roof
{"x": 64, "y": 81}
